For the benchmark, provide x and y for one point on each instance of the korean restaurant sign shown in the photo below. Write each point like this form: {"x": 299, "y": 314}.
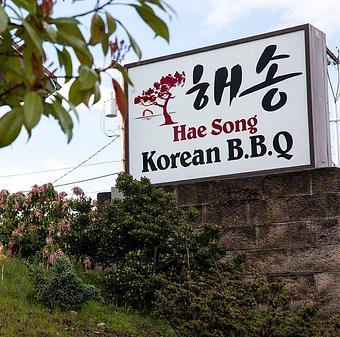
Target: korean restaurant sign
{"x": 253, "y": 105}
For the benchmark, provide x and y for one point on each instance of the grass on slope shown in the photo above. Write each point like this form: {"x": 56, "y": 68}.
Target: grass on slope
{"x": 20, "y": 317}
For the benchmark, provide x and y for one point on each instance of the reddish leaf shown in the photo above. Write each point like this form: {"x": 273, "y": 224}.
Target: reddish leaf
{"x": 121, "y": 99}
{"x": 46, "y": 8}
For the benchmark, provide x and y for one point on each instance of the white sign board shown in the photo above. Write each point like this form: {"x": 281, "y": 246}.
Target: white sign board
{"x": 237, "y": 108}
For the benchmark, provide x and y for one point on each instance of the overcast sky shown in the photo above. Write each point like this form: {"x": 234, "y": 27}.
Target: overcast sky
{"x": 199, "y": 23}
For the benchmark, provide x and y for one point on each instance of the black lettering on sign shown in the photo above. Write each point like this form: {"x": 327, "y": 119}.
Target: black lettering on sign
{"x": 258, "y": 148}
{"x": 148, "y": 161}
{"x": 179, "y": 159}
{"x": 216, "y": 151}
{"x": 163, "y": 162}
{"x": 198, "y": 158}
{"x": 283, "y": 149}
{"x": 235, "y": 151}
{"x": 185, "y": 156}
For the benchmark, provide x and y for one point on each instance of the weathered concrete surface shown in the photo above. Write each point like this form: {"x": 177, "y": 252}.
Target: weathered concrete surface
{"x": 288, "y": 224}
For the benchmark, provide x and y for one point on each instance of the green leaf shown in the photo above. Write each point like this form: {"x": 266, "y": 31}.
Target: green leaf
{"x": 3, "y": 20}
{"x": 29, "y": 5}
{"x": 111, "y": 24}
{"x": 72, "y": 107}
{"x": 69, "y": 26}
{"x": 97, "y": 94}
{"x": 69, "y": 34}
{"x": 162, "y": 5}
{"x": 105, "y": 44}
{"x": 157, "y": 3}
{"x": 75, "y": 94}
{"x": 33, "y": 108}
{"x": 50, "y": 32}
{"x": 85, "y": 86}
{"x": 64, "y": 21}
{"x": 10, "y": 70}
{"x": 66, "y": 61}
{"x": 70, "y": 40}
{"x": 80, "y": 48}
{"x": 27, "y": 70}
{"x": 87, "y": 78}
{"x": 97, "y": 30}
{"x": 48, "y": 109}
{"x": 153, "y": 21}
{"x": 86, "y": 95}
{"x": 124, "y": 73}
{"x": 64, "y": 119}
{"x": 135, "y": 46}
{"x": 133, "y": 42}
{"x": 84, "y": 56}
{"x": 10, "y": 126}
{"x": 34, "y": 37}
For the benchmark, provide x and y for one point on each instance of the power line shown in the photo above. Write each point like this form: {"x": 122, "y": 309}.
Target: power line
{"x": 58, "y": 169}
{"x": 86, "y": 160}
{"x": 99, "y": 191}
{"x": 89, "y": 179}
{"x": 82, "y": 181}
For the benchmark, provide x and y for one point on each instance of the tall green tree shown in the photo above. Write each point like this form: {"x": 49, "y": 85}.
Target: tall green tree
{"x": 28, "y": 29}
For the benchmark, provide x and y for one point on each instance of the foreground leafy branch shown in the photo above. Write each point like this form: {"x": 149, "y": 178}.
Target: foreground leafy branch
{"x": 28, "y": 29}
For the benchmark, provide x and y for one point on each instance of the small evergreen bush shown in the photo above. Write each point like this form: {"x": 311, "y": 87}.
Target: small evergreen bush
{"x": 62, "y": 288}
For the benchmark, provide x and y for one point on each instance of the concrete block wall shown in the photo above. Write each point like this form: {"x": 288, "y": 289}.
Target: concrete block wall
{"x": 288, "y": 224}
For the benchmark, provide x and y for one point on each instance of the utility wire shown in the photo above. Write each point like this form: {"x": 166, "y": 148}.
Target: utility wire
{"x": 89, "y": 179}
{"x": 82, "y": 181}
{"x": 86, "y": 160}
{"x": 58, "y": 169}
{"x": 99, "y": 191}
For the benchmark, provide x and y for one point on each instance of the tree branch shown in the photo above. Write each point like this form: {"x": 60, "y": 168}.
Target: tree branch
{"x": 14, "y": 25}
{"x": 64, "y": 77}
{"x": 10, "y": 54}
{"x": 96, "y": 9}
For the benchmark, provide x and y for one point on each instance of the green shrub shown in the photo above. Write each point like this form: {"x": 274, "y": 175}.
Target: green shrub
{"x": 224, "y": 301}
{"x": 81, "y": 239}
{"x": 133, "y": 281}
{"x": 143, "y": 240}
{"x": 147, "y": 219}
{"x": 62, "y": 288}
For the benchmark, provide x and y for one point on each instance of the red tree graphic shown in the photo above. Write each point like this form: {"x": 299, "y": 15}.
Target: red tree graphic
{"x": 160, "y": 95}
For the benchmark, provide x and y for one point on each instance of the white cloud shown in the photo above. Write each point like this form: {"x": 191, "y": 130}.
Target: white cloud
{"x": 322, "y": 14}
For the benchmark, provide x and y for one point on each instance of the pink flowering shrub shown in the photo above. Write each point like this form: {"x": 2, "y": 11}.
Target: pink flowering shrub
{"x": 77, "y": 191}
{"x": 37, "y": 223}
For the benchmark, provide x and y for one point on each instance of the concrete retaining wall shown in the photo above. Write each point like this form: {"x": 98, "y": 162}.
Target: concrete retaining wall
{"x": 287, "y": 224}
